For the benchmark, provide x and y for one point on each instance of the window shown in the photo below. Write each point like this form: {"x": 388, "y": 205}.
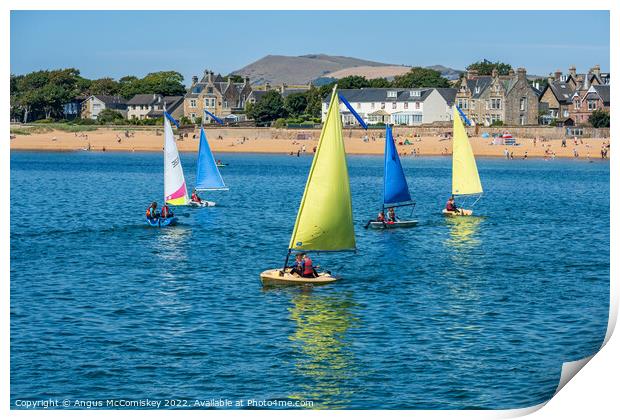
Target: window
{"x": 577, "y": 103}
{"x": 522, "y": 120}
{"x": 391, "y": 94}
{"x": 193, "y": 116}
{"x": 591, "y": 105}
{"x": 382, "y": 105}
{"x": 477, "y": 89}
{"x": 372, "y": 105}
{"x": 495, "y": 103}
{"x": 417, "y": 105}
{"x": 565, "y": 113}
{"x": 415, "y": 93}
{"x": 462, "y": 103}
{"x": 523, "y": 104}
{"x": 393, "y": 105}
{"x": 225, "y": 104}
{"x": 406, "y": 105}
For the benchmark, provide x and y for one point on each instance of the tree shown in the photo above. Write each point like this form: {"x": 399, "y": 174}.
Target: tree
{"x": 167, "y": 83}
{"x": 314, "y": 102}
{"x": 268, "y": 108}
{"x": 104, "y": 86}
{"x": 353, "y": 82}
{"x": 235, "y": 78}
{"x": 485, "y": 67}
{"x": 296, "y": 103}
{"x": 109, "y": 116}
{"x": 599, "y": 119}
{"x": 381, "y": 82}
{"x": 419, "y": 77}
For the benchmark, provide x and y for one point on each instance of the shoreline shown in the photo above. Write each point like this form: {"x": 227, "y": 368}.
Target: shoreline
{"x": 239, "y": 152}
{"x": 290, "y": 142}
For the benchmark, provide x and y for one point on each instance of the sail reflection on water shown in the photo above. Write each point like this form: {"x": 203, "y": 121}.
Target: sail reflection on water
{"x": 324, "y": 361}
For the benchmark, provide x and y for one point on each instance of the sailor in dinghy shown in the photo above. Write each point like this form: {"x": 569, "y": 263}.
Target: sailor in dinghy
{"x": 208, "y": 177}
{"x": 465, "y": 177}
{"x": 325, "y": 217}
{"x": 175, "y": 190}
{"x": 395, "y": 189}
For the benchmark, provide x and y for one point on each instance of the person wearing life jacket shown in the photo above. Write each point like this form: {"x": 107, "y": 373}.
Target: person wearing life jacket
{"x": 296, "y": 268}
{"x": 307, "y": 268}
{"x": 166, "y": 212}
{"x": 381, "y": 216}
{"x": 392, "y": 215}
{"x": 195, "y": 197}
{"x": 151, "y": 211}
{"x": 451, "y": 205}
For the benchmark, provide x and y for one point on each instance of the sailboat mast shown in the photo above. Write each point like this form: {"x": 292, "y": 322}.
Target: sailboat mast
{"x": 165, "y": 166}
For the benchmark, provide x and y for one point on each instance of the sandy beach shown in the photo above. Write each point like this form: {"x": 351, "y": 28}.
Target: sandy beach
{"x": 291, "y": 141}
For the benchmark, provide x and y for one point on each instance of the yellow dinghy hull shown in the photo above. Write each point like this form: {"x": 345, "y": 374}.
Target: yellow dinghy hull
{"x": 460, "y": 212}
{"x": 276, "y": 277}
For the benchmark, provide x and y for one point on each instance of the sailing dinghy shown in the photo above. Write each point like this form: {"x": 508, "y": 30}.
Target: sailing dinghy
{"x": 465, "y": 178}
{"x": 175, "y": 190}
{"x": 208, "y": 177}
{"x": 325, "y": 217}
{"x": 395, "y": 188}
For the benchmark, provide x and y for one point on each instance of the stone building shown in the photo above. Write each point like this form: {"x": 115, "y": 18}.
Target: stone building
{"x": 488, "y": 99}
{"x": 556, "y": 99}
{"x": 221, "y": 97}
{"x": 94, "y": 104}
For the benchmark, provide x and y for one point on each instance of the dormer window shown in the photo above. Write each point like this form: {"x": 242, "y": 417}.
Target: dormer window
{"x": 391, "y": 94}
{"x": 477, "y": 90}
{"x": 414, "y": 93}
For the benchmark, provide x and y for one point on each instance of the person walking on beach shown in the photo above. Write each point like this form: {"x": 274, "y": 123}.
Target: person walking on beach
{"x": 564, "y": 142}
{"x": 525, "y": 155}
{"x": 506, "y": 153}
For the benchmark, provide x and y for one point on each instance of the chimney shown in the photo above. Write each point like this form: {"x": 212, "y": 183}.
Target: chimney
{"x": 596, "y": 70}
{"x": 472, "y": 74}
{"x": 521, "y": 73}
{"x": 247, "y": 80}
{"x": 537, "y": 85}
{"x": 209, "y": 76}
{"x": 511, "y": 72}
{"x": 557, "y": 75}
{"x": 572, "y": 70}
{"x": 550, "y": 79}
{"x": 494, "y": 72}
{"x": 194, "y": 80}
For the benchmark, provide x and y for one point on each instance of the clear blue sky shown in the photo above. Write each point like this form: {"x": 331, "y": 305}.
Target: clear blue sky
{"x": 120, "y": 43}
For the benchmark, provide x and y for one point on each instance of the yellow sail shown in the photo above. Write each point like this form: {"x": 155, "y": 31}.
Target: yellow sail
{"x": 325, "y": 218}
{"x": 465, "y": 179}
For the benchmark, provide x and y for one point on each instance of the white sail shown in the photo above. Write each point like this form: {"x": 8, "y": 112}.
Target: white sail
{"x": 175, "y": 191}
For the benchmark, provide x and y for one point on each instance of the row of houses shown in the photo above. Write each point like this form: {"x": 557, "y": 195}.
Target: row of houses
{"x": 511, "y": 99}
{"x": 486, "y": 99}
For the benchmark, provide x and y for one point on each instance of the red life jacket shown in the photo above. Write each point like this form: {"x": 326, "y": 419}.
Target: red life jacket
{"x": 195, "y": 197}
{"x": 450, "y": 206}
{"x": 165, "y": 211}
{"x": 380, "y": 218}
{"x": 308, "y": 266}
{"x": 148, "y": 212}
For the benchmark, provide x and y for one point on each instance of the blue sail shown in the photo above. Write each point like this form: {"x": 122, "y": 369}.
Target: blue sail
{"x": 395, "y": 189}
{"x": 208, "y": 177}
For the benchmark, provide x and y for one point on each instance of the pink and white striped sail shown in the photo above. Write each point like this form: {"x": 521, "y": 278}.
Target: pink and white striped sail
{"x": 175, "y": 190}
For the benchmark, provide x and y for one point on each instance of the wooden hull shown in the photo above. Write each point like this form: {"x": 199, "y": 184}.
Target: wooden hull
{"x": 394, "y": 225}
{"x": 460, "y": 212}
{"x": 275, "y": 277}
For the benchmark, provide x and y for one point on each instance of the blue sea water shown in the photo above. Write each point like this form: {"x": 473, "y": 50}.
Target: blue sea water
{"x": 472, "y": 313}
